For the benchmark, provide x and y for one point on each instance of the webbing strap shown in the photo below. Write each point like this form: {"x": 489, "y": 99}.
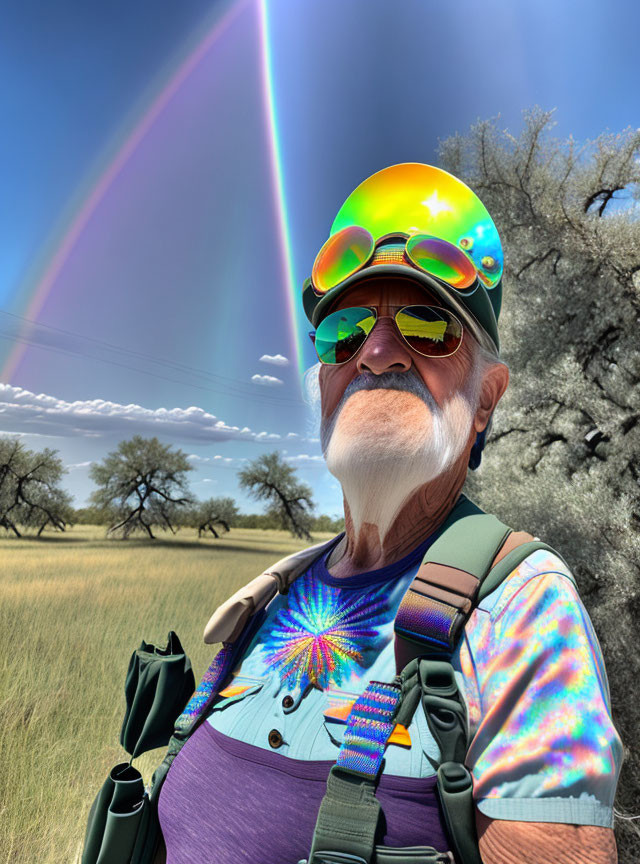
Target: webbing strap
{"x": 368, "y": 729}
{"x": 348, "y": 816}
{"x": 208, "y": 686}
{"x": 347, "y": 820}
{"x": 201, "y": 701}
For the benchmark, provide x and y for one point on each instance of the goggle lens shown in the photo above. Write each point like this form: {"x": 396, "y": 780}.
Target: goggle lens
{"x": 442, "y": 259}
{"x": 340, "y": 335}
{"x": 342, "y": 255}
{"x": 429, "y": 330}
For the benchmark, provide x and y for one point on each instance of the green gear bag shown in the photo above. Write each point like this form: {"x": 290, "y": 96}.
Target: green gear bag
{"x": 122, "y": 827}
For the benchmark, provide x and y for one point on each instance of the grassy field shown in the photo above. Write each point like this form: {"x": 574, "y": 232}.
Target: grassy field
{"x": 73, "y": 607}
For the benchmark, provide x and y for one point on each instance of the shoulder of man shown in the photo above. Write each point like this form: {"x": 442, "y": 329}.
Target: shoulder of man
{"x": 229, "y": 619}
{"x": 526, "y": 564}
{"x": 541, "y": 689}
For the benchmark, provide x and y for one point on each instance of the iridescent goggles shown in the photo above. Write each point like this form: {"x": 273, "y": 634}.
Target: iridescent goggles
{"x": 352, "y": 248}
{"x": 430, "y": 330}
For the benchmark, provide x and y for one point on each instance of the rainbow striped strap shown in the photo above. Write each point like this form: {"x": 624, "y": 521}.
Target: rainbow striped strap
{"x": 208, "y": 688}
{"x": 368, "y": 729}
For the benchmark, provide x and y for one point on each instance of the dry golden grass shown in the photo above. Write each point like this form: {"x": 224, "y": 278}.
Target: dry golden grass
{"x": 73, "y": 607}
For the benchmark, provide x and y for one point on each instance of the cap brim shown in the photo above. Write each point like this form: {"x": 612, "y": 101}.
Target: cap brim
{"x": 449, "y": 296}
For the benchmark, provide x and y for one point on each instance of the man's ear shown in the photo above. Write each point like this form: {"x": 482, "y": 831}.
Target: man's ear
{"x": 494, "y": 383}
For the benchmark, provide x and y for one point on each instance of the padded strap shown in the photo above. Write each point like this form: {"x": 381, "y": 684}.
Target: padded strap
{"x": 437, "y": 605}
{"x": 510, "y": 561}
{"x": 446, "y": 715}
{"x": 228, "y": 621}
{"x": 471, "y": 557}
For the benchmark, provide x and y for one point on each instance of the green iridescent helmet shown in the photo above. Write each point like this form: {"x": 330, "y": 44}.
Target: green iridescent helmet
{"x": 416, "y": 221}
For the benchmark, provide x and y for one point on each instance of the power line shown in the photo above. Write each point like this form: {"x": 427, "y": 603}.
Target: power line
{"x": 225, "y": 386}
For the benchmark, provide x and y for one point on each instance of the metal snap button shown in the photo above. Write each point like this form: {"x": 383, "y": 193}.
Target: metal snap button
{"x": 275, "y": 738}
{"x": 287, "y": 702}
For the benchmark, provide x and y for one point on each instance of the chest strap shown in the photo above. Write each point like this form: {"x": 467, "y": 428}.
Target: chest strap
{"x": 348, "y": 818}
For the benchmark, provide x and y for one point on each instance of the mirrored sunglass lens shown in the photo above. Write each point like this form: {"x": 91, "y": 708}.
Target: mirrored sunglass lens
{"x": 442, "y": 259}
{"x": 430, "y": 331}
{"x": 340, "y": 335}
{"x": 342, "y": 255}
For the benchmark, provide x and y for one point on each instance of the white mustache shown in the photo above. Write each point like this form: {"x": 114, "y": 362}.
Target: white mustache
{"x": 410, "y": 382}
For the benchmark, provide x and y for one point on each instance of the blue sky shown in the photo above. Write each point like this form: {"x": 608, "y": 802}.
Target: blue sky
{"x": 157, "y": 315}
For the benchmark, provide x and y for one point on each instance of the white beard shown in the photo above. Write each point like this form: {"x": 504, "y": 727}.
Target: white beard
{"x": 387, "y": 443}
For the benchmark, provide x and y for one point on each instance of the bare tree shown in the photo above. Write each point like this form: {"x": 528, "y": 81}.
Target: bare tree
{"x": 563, "y": 460}
{"x": 269, "y": 478}
{"x": 29, "y": 492}
{"x": 212, "y": 514}
{"x": 143, "y": 482}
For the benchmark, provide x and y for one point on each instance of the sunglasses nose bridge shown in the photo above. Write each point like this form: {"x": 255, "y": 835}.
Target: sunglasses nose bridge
{"x": 384, "y": 348}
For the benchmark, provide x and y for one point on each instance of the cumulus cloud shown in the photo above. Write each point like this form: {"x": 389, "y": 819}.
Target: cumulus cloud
{"x": 217, "y": 459}
{"x": 304, "y": 460}
{"x": 23, "y": 412}
{"x": 266, "y": 380}
{"x": 275, "y": 359}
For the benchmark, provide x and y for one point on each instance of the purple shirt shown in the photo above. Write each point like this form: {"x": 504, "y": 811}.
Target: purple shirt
{"x": 227, "y": 802}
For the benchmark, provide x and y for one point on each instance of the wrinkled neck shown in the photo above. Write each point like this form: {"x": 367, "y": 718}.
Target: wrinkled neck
{"x": 373, "y": 540}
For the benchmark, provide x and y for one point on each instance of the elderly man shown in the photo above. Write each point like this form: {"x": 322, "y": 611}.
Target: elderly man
{"x": 392, "y": 702}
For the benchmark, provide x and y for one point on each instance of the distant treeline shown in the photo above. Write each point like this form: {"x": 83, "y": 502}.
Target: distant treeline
{"x": 98, "y": 516}
{"x": 142, "y": 486}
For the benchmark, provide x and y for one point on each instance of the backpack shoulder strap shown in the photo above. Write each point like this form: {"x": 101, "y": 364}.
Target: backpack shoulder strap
{"x": 444, "y": 706}
{"x": 437, "y": 604}
{"x": 428, "y": 626}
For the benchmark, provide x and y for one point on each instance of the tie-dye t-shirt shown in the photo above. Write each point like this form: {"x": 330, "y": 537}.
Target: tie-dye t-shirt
{"x": 543, "y": 746}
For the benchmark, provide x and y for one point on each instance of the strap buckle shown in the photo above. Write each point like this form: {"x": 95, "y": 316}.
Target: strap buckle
{"x": 437, "y": 677}
{"x": 327, "y": 857}
{"x": 454, "y": 777}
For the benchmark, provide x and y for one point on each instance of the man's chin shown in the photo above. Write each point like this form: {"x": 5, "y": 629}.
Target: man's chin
{"x": 380, "y": 424}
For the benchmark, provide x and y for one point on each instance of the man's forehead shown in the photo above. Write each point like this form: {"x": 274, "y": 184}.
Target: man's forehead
{"x": 386, "y": 292}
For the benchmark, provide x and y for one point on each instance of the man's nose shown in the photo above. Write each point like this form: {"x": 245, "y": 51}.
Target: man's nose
{"x": 384, "y": 350}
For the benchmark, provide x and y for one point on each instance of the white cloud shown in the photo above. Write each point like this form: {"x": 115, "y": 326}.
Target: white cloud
{"x": 23, "y": 412}
{"x": 80, "y": 465}
{"x": 303, "y": 459}
{"x": 266, "y": 380}
{"x": 275, "y": 359}
{"x": 217, "y": 460}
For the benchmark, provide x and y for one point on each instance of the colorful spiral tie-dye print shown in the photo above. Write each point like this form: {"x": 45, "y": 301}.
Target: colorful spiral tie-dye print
{"x": 321, "y": 632}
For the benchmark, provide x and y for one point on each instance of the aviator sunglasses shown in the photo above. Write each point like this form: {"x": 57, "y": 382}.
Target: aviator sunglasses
{"x": 430, "y": 330}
